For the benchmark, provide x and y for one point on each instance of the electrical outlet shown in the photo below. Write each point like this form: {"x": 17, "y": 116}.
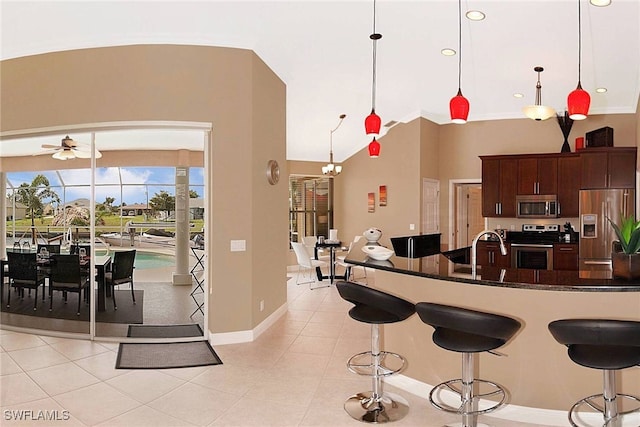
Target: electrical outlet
{"x": 262, "y": 305}
{"x": 412, "y": 226}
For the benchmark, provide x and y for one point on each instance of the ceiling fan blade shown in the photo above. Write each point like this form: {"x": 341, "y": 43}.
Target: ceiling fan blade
{"x": 51, "y": 146}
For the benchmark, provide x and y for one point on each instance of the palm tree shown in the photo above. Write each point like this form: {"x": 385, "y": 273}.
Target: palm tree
{"x": 33, "y": 196}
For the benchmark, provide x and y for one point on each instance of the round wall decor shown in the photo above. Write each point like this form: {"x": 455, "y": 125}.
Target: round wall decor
{"x": 273, "y": 172}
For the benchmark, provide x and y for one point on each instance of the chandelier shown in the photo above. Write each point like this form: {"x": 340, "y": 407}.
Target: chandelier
{"x": 538, "y": 111}
{"x": 332, "y": 169}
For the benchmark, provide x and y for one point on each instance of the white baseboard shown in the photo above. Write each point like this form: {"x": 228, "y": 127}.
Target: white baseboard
{"x": 238, "y": 337}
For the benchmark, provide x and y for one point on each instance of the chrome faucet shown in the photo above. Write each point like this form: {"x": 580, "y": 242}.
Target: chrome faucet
{"x": 474, "y": 256}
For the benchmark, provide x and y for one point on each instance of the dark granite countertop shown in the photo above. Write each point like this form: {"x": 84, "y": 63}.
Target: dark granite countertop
{"x": 437, "y": 266}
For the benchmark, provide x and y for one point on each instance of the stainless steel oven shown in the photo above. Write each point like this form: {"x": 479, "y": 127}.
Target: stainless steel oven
{"x": 532, "y": 256}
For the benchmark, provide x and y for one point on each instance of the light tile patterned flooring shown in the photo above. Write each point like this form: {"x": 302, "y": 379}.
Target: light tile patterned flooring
{"x": 292, "y": 375}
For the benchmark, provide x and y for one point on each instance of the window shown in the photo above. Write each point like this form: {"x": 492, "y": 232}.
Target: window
{"x": 310, "y": 207}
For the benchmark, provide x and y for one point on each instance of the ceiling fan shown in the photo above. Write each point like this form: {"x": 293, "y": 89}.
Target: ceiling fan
{"x": 70, "y": 149}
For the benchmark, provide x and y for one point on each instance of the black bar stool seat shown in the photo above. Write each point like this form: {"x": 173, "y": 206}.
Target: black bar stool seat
{"x": 605, "y": 344}
{"x": 468, "y": 332}
{"x": 375, "y": 308}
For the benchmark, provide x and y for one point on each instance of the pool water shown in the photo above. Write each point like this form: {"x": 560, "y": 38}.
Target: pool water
{"x": 147, "y": 260}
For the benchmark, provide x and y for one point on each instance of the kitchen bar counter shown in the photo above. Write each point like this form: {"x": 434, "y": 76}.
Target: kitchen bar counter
{"x": 437, "y": 267}
{"x": 537, "y": 372}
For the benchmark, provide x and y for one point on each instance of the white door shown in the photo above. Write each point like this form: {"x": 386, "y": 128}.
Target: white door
{"x": 430, "y": 206}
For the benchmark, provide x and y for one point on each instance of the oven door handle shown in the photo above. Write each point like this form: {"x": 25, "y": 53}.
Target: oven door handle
{"x": 528, "y": 245}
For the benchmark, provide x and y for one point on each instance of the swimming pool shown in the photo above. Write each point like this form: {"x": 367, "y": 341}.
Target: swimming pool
{"x": 148, "y": 260}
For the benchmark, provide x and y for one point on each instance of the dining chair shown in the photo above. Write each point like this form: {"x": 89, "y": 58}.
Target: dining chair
{"x": 352, "y": 267}
{"x": 305, "y": 262}
{"x": 52, "y": 249}
{"x": 310, "y": 245}
{"x": 67, "y": 276}
{"x": 24, "y": 273}
{"x": 121, "y": 273}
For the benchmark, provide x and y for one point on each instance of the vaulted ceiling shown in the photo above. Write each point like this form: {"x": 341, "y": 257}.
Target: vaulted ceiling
{"x": 322, "y": 51}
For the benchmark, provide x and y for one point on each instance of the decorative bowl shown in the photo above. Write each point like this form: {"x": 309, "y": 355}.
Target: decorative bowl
{"x": 372, "y": 235}
{"x": 379, "y": 253}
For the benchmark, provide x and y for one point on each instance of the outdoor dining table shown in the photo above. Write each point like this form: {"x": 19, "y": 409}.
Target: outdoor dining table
{"x": 102, "y": 263}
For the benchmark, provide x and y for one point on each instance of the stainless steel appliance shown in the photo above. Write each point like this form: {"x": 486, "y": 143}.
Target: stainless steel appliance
{"x": 537, "y": 206}
{"x": 533, "y": 247}
{"x": 596, "y": 234}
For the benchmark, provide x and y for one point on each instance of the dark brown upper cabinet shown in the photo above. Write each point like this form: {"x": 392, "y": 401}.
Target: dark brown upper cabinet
{"x": 611, "y": 167}
{"x": 499, "y": 187}
{"x": 538, "y": 175}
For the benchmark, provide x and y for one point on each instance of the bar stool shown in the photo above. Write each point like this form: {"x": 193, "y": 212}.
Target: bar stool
{"x": 604, "y": 344}
{"x": 375, "y": 308}
{"x": 468, "y": 332}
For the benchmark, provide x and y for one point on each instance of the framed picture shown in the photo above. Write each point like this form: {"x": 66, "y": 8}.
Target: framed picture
{"x": 372, "y": 202}
{"x": 383, "y": 195}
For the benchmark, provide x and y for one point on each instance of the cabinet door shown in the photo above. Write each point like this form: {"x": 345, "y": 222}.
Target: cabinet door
{"x": 527, "y": 176}
{"x": 490, "y": 187}
{"x": 594, "y": 170}
{"x": 508, "y": 187}
{"x": 565, "y": 256}
{"x": 622, "y": 168}
{"x": 482, "y": 254}
{"x": 547, "y": 175}
{"x": 569, "y": 175}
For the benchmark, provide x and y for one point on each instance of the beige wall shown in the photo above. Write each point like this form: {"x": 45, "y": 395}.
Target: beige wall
{"x": 446, "y": 152}
{"x": 230, "y": 88}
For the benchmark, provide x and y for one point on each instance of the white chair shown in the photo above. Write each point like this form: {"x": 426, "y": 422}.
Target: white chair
{"x": 305, "y": 262}
{"x": 310, "y": 245}
{"x": 352, "y": 267}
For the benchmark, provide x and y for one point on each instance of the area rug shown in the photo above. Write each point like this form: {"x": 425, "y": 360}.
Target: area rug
{"x": 166, "y": 355}
{"x": 164, "y": 331}
{"x": 127, "y": 312}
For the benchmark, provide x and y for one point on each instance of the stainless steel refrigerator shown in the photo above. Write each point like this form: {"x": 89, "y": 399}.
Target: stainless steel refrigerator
{"x": 596, "y": 233}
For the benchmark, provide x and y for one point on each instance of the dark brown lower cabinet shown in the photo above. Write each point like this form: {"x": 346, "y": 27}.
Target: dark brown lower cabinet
{"x": 565, "y": 256}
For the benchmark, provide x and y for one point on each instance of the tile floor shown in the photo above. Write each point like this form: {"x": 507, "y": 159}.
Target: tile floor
{"x": 292, "y": 375}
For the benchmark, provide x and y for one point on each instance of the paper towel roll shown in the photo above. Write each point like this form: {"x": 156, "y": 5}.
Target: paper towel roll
{"x": 333, "y": 234}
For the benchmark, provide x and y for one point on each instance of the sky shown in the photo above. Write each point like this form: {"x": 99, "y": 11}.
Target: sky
{"x": 108, "y": 183}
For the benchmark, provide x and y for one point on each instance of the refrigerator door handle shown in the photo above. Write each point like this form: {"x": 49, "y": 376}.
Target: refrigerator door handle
{"x": 598, "y": 262}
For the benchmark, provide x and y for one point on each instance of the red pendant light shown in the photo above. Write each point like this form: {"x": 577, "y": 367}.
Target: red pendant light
{"x": 459, "y": 105}
{"x": 579, "y": 100}
{"x": 372, "y": 123}
{"x": 459, "y": 108}
{"x": 374, "y": 148}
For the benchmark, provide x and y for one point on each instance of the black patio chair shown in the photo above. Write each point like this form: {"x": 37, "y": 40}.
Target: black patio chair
{"x": 67, "y": 276}
{"x": 23, "y": 273}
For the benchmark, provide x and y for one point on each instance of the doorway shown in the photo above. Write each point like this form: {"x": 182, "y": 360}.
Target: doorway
{"x": 110, "y": 176}
{"x": 466, "y": 220}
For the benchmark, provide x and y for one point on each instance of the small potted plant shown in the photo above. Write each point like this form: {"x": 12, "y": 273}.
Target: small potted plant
{"x": 625, "y": 253}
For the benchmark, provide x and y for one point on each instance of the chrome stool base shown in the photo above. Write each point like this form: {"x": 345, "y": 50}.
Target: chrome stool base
{"x": 457, "y": 386}
{"x": 365, "y": 363}
{"x": 598, "y": 405}
{"x": 386, "y": 408}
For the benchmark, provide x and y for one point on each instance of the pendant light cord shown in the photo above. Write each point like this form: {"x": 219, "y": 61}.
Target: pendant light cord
{"x": 375, "y": 37}
{"x": 459, "y": 43}
{"x": 579, "y": 41}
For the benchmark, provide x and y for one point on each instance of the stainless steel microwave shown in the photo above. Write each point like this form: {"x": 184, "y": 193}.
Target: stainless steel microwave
{"x": 537, "y": 206}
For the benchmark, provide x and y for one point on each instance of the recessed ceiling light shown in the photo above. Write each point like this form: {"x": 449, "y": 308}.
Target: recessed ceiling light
{"x": 601, "y": 90}
{"x": 518, "y": 95}
{"x": 475, "y": 15}
{"x": 448, "y": 51}
{"x": 600, "y": 3}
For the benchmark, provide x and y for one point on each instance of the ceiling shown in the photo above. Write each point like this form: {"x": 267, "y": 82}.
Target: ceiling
{"x": 322, "y": 51}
